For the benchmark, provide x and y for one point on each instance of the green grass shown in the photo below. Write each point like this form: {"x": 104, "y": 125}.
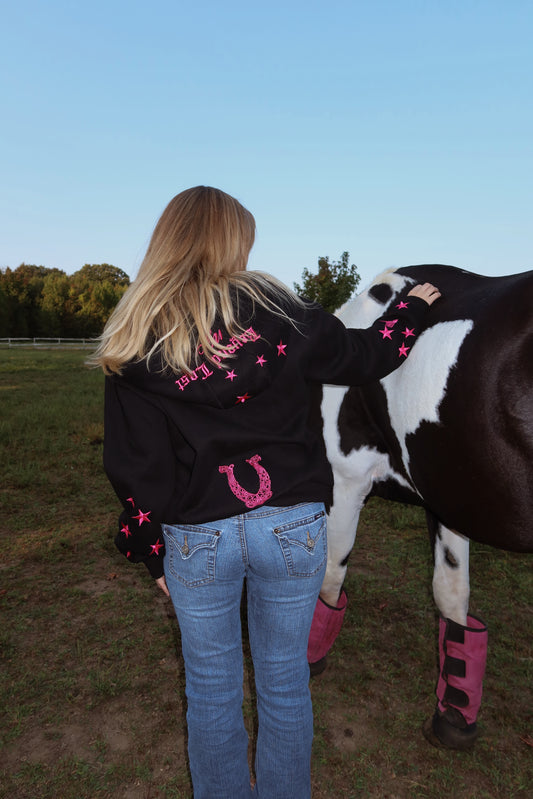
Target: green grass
{"x": 91, "y": 675}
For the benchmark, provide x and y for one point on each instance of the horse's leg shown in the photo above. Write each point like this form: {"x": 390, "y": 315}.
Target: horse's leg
{"x": 451, "y": 580}
{"x": 331, "y": 605}
{"x": 462, "y": 644}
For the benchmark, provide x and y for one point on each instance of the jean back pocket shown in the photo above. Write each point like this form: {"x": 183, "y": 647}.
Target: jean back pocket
{"x": 304, "y": 544}
{"x": 191, "y": 552}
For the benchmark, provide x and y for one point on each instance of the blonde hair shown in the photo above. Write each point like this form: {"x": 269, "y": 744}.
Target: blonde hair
{"x": 198, "y": 251}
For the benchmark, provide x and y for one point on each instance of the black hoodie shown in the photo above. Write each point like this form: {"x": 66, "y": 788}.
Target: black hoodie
{"x": 195, "y": 448}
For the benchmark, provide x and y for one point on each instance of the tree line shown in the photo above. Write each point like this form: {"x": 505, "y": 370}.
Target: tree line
{"x": 39, "y": 302}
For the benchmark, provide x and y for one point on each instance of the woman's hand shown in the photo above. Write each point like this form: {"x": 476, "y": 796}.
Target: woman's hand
{"x": 162, "y": 583}
{"x": 426, "y": 292}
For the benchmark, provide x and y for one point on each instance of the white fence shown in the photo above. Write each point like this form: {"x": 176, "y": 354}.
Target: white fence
{"x": 50, "y": 343}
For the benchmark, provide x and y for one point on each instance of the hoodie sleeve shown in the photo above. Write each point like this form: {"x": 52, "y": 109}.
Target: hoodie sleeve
{"x": 139, "y": 463}
{"x": 352, "y": 357}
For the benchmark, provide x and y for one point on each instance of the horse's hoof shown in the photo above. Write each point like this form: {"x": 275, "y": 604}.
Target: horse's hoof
{"x": 450, "y": 730}
{"x": 318, "y": 666}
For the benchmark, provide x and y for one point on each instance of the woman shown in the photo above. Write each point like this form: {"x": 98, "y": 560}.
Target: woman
{"x": 210, "y": 448}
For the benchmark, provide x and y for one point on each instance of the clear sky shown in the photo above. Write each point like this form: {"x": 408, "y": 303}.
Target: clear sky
{"x": 399, "y": 130}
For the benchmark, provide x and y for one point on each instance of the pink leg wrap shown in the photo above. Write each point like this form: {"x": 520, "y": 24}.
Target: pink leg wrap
{"x": 462, "y": 655}
{"x": 326, "y": 625}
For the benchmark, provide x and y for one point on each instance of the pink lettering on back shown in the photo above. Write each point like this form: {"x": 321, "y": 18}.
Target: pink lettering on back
{"x": 203, "y": 370}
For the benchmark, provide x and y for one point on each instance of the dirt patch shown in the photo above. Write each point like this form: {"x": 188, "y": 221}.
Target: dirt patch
{"x": 346, "y": 734}
{"x": 96, "y": 586}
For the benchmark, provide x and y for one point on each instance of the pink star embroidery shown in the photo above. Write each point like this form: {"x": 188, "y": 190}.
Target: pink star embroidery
{"x": 143, "y": 517}
{"x": 281, "y": 348}
{"x": 261, "y": 360}
{"x": 156, "y": 547}
{"x": 387, "y": 332}
{"x": 231, "y": 376}
{"x": 404, "y": 350}
{"x": 130, "y": 499}
{"x": 391, "y": 323}
{"x": 242, "y": 398}
{"x": 126, "y": 530}
{"x": 402, "y": 304}
{"x": 408, "y": 332}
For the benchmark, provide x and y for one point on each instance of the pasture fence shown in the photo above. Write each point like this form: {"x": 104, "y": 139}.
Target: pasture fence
{"x": 56, "y": 342}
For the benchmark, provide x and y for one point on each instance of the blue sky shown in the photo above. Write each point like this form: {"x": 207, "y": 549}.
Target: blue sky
{"x": 399, "y": 131}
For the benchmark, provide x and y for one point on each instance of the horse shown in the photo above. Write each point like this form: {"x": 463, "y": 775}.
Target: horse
{"x": 451, "y": 430}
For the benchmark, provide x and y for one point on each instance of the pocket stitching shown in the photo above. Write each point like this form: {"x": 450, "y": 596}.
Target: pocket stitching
{"x": 176, "y": 557}
{"x": 286, "y": 544}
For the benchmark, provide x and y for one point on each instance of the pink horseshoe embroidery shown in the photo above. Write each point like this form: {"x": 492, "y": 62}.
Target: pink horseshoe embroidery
{"x": 250, "y": 500}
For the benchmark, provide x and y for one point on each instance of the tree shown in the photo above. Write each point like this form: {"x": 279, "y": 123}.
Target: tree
{"x": 100, "y": 273}
{"x": 22, "y": 288}
{"x": 5, "y": 311}
{"x": 333, "y": 285}
{"x": 95, "y": 289}
{"x": 54, "y": 302}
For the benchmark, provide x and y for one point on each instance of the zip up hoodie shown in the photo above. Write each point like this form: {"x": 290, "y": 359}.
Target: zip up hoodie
{"x": 194, "y": 448}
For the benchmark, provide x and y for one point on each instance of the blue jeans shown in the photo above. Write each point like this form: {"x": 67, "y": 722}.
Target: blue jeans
{"x": 282, "y": 554}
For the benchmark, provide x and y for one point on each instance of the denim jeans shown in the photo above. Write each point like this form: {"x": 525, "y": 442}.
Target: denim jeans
{"x": 282, "y": 554}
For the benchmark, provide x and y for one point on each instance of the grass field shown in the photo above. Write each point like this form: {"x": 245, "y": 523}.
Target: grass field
{"x": 91, "y": 682}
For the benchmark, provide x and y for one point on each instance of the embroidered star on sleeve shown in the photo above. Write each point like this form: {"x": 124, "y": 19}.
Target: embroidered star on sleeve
{"x": 243, "y": 398}
{"x": 281, "y": 348}
{"x": 408, "y": 332}
{"x": 261, "y": 360}
{"x": 387, "y": 332}
{"x": 231, "y": 376}
{"x": 403, "y": 351}
{"x": 143, "y": 516}
{"x": 156, "y": 547}
{"x": 402, "y": 304}
{"x": 126, "y": 530}
{"x": 130, "y": 499}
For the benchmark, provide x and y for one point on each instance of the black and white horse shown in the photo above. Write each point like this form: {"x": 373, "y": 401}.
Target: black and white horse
{"x": 450, "y": 430}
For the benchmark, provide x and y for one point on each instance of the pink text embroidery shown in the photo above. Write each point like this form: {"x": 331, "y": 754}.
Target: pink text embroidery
{"x": 204, "y": 371}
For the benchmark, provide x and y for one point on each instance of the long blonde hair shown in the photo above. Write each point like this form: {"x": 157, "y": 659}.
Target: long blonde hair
{"x": 198, "y": 251}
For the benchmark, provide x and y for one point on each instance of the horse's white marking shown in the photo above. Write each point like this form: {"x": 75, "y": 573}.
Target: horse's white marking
{"x": 354, "y": 474}
{"x": 416, "y": 390}
{"x": 426, "y": 371}
{"x": 343, "y": 519}
{"x": 363, "y": 310}
{"x": 451, "y": 586}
